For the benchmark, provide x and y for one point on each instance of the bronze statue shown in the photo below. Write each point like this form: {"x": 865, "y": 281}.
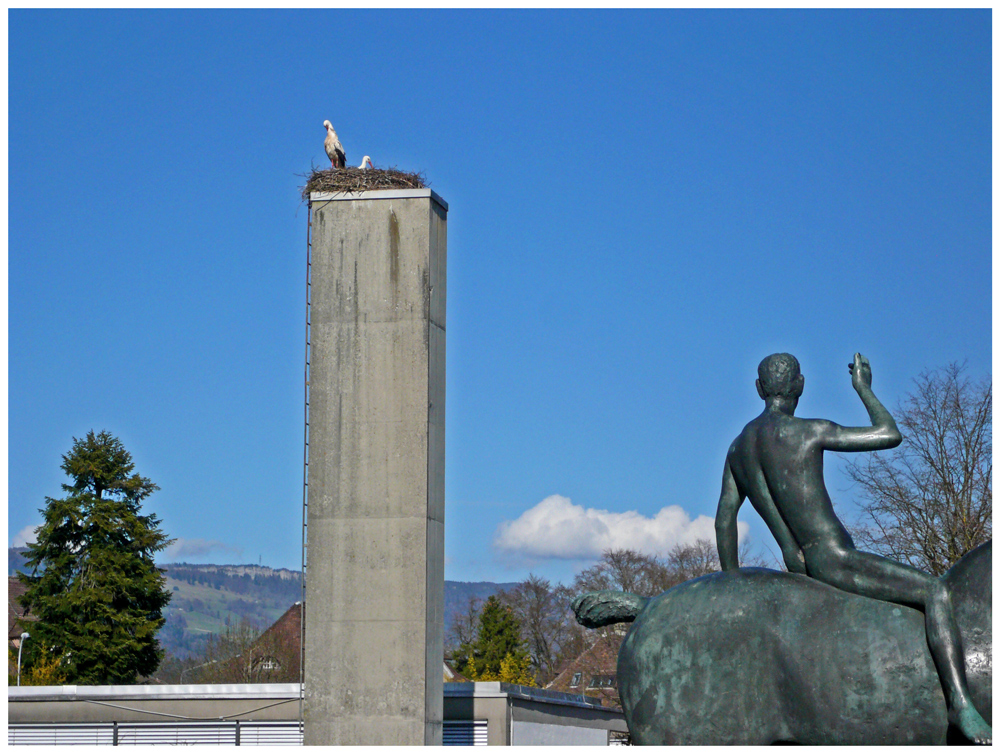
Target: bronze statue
{"x": 777, "y": 462}
{"x": 847, "y": 648}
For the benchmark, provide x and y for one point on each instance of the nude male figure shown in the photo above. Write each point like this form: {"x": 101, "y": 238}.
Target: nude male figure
{"x": 777, "y": 462}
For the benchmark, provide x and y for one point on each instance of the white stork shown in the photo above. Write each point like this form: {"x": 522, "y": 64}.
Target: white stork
{"x": 334, "y": 149}
{"x": 366, "y": 163}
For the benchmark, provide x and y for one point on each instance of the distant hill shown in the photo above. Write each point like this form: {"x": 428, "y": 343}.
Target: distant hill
{"x": 15, "y": 559}
{"x": 206, "y": 597}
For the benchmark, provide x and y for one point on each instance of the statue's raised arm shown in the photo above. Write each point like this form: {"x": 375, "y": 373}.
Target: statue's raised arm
{"x": 881, "y": 435}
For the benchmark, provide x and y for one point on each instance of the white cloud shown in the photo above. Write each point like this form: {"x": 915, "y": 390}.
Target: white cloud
{"x": 556, "y": 528}
{"x": 26, "y": 535}
{"x": 197, "y": 548}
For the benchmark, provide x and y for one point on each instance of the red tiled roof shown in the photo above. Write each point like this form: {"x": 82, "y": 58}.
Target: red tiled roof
{"x": 600, "y": 659}
{"x": 16, "y": 617}
{"x": 288, "y": 627}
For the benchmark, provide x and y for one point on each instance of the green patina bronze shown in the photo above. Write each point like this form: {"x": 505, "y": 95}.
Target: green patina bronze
{"x": 848, "y": 647}
{"x": 756, "y": 657}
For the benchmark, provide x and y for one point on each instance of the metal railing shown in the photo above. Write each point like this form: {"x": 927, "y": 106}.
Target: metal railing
{"x": 223, "y": 733}
{"x": 180, "y": 733}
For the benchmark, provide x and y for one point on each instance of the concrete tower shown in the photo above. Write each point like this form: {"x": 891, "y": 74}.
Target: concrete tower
{"x": 375, "y": 566}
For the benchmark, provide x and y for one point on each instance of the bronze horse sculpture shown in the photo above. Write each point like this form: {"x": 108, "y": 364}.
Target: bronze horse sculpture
{"x": 756, "y": 656}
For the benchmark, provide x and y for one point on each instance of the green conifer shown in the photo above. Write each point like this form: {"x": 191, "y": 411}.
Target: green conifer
{"x": 498, "y": 639}
{"x": 94, "y": 588}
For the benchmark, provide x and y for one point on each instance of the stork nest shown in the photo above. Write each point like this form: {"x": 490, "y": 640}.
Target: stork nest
{"x": 355, "y": 179}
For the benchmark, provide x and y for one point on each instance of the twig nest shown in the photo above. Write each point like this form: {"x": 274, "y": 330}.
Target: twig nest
{"x": 355, "y": 180}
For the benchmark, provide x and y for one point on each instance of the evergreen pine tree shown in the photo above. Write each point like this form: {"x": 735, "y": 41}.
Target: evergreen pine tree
{"x": 498, "y": 638}
{"x": 94, "y": 588}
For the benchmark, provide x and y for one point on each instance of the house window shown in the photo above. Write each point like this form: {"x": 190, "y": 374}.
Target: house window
{"x": 575, "y": 683}
{"x": 602, "y": 682}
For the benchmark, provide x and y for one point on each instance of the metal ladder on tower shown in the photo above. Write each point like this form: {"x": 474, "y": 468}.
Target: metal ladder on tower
{"x": 305, "y": 476}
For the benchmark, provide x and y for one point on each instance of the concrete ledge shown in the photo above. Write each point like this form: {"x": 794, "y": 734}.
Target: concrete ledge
{"x": 341, "y": 196}
{"x": 494, "y": 689}
{"x": 186, "y": 691}
{"x": 481, "y": 689}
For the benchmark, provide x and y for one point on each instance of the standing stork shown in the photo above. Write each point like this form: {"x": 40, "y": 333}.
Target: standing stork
{"x": 334, "y": 149}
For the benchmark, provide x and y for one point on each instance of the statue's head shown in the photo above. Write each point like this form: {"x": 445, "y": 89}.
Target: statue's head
{"x": 779, "y": 375}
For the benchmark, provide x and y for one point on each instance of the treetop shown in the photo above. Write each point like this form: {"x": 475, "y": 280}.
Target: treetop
{"x": 99, "y": 463}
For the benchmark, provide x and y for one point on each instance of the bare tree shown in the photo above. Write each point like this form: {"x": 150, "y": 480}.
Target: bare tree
{"x": 623, "y": 570}
{"x": 546, "y": 622}
{"x": 693, "y": 560}
{"x": 930, "y": 501}
{"x": 463, "y": 629}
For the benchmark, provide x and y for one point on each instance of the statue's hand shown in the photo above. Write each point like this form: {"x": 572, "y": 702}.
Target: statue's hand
{"x": 861, "y": 372}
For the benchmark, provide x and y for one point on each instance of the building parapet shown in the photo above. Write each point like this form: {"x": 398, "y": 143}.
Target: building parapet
{"x": 339, "y": 196}
{"x": 159, "y": 691}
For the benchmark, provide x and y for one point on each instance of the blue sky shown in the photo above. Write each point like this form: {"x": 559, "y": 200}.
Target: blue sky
{"x": 643, "y": 204}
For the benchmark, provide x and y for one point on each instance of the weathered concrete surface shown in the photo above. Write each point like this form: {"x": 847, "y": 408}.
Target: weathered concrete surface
{"x": 754, "y": 657}
{"x": 375, "y": 564}
{"x": 152, "y": 704}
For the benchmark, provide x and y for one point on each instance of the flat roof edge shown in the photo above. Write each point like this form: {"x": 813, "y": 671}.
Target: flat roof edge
{"x": 482, "y": 689}
{"x": 175, "y": 691}
{"x": 285, "y": 691}
{"x": 342, "y": 196}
